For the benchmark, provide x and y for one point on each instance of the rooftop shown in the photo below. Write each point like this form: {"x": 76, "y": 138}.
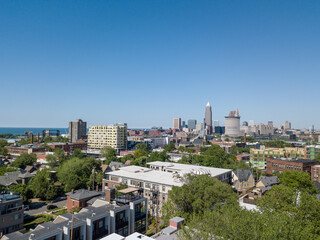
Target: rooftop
{"x": 83, "y": 194}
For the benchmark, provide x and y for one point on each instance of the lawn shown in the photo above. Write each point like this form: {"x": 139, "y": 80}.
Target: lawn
{"x": 33, "y": 221}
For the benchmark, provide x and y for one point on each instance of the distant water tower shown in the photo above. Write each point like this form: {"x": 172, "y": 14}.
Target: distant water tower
{"x": 232, "y": 124}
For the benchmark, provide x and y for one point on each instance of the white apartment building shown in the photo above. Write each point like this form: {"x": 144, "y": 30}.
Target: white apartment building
{"x": 155, "y": 182}
{"x": 114, "y": 136}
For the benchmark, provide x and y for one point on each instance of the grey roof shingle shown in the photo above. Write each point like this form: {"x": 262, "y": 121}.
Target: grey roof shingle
{"x": 243, "y": 175}
{"x": 84, "y": 194}
{"x": 269, "y": 181}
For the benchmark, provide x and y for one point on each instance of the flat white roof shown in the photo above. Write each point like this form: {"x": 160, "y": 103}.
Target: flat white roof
{"x": 188, "y": 168}
{"x": 153, "y": 176}
{"x": 133, "y": 236}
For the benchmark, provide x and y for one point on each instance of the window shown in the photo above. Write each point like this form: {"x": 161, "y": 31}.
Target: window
{"x": 163, "y": 188}
{"x": 101, "y": 224}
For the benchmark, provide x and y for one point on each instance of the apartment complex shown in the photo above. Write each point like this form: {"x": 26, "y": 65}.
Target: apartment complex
{"x": 11, "y": 213}
{"x": 155, "y": 182}
{"x": 290, "y": 164}
{"x": 258, "y": 156}
{"x": 114, "y": 136}
{"x": 77, "y": 130}
{"x": 312, "y": 151}
{"x": 98, "y": 220}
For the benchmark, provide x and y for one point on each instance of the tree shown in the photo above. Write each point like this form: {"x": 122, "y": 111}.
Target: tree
{"x": 199, "y": 193}
{"x": 169, "y": 147}
{"x": 75, "y": 173}
{"x": 52, "y": 161}
{"x": 156, "y": 156}
{"x": 40, "y": 183}
{"x": 3, "y": 151}
{"x": 77, "y": 153}
{"x": 98, "y": 177}
{"x": 111, "y": 155}
{"x": 24, "y": 191}
{"x": 298, "y": 180}
{"x": 6, "y": 169}
{"x": 24, "y": 160}
{"x": 127, "y": 157}
{"x": 61, "y": 156}
{"x": 143, "y": 148}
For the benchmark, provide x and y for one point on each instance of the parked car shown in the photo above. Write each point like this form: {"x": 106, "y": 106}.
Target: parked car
{"x": 26, "y": 207}
{"x": 49, "y": 207}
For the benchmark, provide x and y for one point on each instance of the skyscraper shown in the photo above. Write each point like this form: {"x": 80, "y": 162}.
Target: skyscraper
{"x": 208, "y": 119}
{"x": 177, "y": 123}
{"x": 77, "y": 130}
{"x": 192, "y": 124}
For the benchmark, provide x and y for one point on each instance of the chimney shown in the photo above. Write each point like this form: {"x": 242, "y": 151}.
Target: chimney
{"x": 72, "y": 191}
{"x": 110, "y": 194}
{"x": 245, "y": 138}
{"x": 176, "y": 222}
{"x": 38, "y": 138}
{"x": 31, "y": 138}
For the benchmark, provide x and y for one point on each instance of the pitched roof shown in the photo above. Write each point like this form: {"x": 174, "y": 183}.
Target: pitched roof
{"x": 243, "y": 175}
{"x": 83, "y": 194}
{"x": 269, "y": 181}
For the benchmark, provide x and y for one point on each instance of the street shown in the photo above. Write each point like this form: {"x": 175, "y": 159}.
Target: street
{"x": 41, "y": 207}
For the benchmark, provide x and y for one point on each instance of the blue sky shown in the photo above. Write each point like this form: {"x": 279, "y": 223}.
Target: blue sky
{"x": 145, "y": 62}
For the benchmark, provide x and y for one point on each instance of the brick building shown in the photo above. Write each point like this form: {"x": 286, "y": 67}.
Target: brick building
{"x": 315, "y": 170}
{"x": 290, "y": 164}
{"x": 69, "y": 147}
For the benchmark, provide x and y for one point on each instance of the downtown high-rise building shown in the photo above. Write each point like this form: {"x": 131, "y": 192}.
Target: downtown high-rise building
{"x": 177, "y": 123}
{"x": 77, "y": 130}
{"x": 208, "y": 119}
{"x": 192, "y": 124}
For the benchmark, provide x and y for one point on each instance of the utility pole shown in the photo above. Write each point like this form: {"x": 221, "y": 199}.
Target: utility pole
{"x": 71, "y": 227}
{"x": 93, "y": 171}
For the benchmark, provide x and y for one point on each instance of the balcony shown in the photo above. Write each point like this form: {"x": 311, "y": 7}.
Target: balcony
{"x": 127, "y": 199}
{"x": 11, "y": 210}
{"x": 139, "y": 215}
{"x": 122, "y": 223}
{"x": 99, "y": 233}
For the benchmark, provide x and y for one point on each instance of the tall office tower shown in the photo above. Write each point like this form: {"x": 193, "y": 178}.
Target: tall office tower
{"x": 287, "y": 125}
{"x": 208, "y": 118}
{"x": 183, "y": 125}
{"x": 232, "y": 124}
{"x": 216, "y": 123}
{"x": 114, "y": 136}
{"x": 270, "y": 123}
{"x": 77, "y": 130}
{"x": 192, "y": 124}
{"x": 177, "y": 123}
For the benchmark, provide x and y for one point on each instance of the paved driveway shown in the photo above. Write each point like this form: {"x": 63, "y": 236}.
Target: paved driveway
{"x": 41, "y": 207}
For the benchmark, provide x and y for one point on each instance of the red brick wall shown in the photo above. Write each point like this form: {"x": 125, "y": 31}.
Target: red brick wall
{"x": 72, "y": 203}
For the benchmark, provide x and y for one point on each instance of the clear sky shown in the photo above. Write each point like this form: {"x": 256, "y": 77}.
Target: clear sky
{"x": 146, "y": 62}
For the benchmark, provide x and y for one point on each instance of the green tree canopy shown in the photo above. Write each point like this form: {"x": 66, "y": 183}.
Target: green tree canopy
{"x": 156, "y": 156}
{"x": 23, "y": 190}
{"x": 77, "y": 153}
{"x": 199, "y": 193}
{"x": 298, "y": 180}
{"x": 24, "y": 160}
{"x": 40, "y": 183}
{"x": 169, "y": 147}
{"x": 75, "y": 173}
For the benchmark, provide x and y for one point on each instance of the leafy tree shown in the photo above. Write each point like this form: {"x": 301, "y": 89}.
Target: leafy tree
{"x": 6, "y": 169}
{"x": 24, "y": 191}
{"x": 199, "y": 193}
{"x": 98, "y": 177}
{"x": 277, "y": 144}
{"x": 181, "y": 149}
{"x": 143, "y": 148}
{"x": 298, "y": 180}
{"x": 24, "y": 160}
{"x": 40, "y": 183}
{"x": 141, "y": 161}
{"x": 75, "y": 173}
{"x": 156, "y": 156}
{"x": 52, "y": 161}
{"x": 53, "y": 192}
{"x": 77, "y": 153}
{"x": 169, "y": 147}
{"x": 60, "y": 155}
{"x": 111, "y": 155}
{"x": 127, "y": 157}
{"x": 3, "y": 151}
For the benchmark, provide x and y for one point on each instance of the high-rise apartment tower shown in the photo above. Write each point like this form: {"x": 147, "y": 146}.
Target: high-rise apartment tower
{"x": 77, "y": 130}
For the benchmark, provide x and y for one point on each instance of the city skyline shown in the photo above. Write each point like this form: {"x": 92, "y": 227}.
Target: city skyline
{"x": 108, "y": 62}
